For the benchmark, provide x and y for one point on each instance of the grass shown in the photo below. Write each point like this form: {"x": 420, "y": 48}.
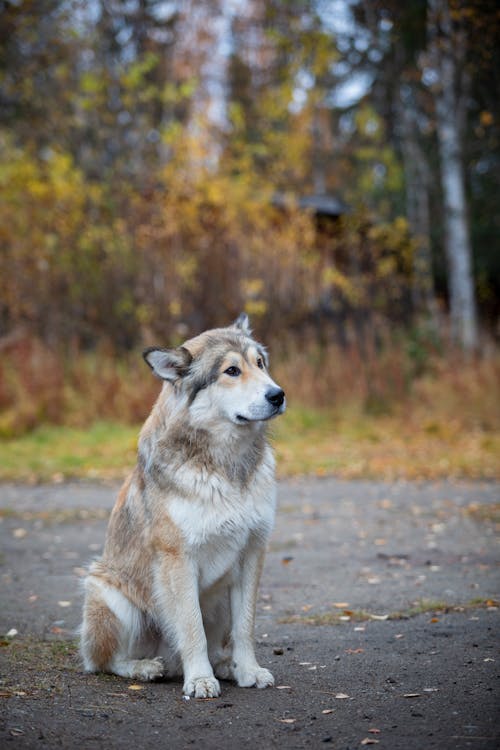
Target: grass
{"x": 399, "y": 445}
{"x": 106, "y": 450}
{"x": 424, "y": 606}
{"x": 349, "y": 415}
{"x": 307, "y": 442}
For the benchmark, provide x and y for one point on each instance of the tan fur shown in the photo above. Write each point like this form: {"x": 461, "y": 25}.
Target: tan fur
{"x": 176, "y": 586}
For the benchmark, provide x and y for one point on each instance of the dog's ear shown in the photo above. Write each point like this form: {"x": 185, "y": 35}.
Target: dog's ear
{"x": 168, "y": 364}
{"x": 242, "y": 322}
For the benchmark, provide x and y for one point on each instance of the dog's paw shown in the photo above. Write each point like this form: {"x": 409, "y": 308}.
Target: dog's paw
{"x": 202, "y": 687}
{"x": 254, "y": 677}
{"x": 150, "y": 669}
{"x": 139, "y": 669}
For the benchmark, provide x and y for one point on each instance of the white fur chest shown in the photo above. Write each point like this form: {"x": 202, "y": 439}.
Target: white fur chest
{"x": 217, "y": 518}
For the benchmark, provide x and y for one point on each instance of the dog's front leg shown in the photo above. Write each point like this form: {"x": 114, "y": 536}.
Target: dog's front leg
{"x": 246, "y": 670}
{"x": 179, "y": 609}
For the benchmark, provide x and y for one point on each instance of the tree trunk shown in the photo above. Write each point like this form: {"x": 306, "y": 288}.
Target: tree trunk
{"x": 446, "y": 51}
{"x": 417, "y": 179}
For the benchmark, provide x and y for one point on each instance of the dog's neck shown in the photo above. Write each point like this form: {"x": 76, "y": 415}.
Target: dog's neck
{"x": 170, "y": 440}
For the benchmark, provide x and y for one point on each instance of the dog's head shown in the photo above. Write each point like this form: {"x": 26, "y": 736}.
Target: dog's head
{"x": 223, "y": 375}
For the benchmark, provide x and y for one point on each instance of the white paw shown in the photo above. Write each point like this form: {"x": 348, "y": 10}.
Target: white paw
{"x": 202, "y": 687}
{"x": 150, "y": 669}
{"x": 254, "y": 677}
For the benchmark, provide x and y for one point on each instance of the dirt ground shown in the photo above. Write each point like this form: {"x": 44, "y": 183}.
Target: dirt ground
{"x": 378, "y": 615}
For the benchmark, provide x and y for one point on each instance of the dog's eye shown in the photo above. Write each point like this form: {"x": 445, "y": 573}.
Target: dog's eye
{"x": 233, "y": 371}
{"x": 260, "y": 363}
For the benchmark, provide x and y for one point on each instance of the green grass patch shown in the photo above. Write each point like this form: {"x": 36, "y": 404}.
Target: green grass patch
{"x": 105, "y": 450}
{"x": 307, "y": 442}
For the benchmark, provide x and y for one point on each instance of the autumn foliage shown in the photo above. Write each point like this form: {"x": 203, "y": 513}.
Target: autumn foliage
{"x": 138, "y": 207}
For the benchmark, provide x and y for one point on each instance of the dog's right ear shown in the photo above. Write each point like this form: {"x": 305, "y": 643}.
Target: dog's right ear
{"x": 168, "y": 364}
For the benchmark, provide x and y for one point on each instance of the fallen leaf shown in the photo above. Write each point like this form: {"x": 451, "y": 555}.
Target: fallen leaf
{"x": 16, "y": 732}
{"x": 283, "y": 687}
{"x": 327, "y": 711}
{"x": 411, "y": 695}
{"x": 287, "y": 721}
{"x": 304, "y": 663}
{"x": 57, "y": 630}
{"x": 12, "y": 633}
{"x": 135, "y": 687}
{"x": 19, "y": 533}
{"x": 64, "y": 604}
{"x": 348, "y": 612}
{"x": 33, "y": 598}
{"x": 354, "y": 650}
{"x": 434, "y": 619}
{"x": 286, "y": 560}
{"x": 379, "y": 617}
{"x": 370, "y": 741}
{"x": 360, "y": 628}
{"x": 341, "y": 695}
{"x": 430, "y": 690}
{"x": 306, "y": 607}
{"x": 20, "y": 693}
{"x": 340, "y": 605}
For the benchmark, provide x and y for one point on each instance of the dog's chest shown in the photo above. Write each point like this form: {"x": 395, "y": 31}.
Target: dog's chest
{"x": 218, "y": 520}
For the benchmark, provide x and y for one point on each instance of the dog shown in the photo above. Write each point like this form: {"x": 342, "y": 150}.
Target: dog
{"x": 175, "y": 589}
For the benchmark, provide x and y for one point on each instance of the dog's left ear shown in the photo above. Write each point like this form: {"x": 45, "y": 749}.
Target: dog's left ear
{"x": 168, "y": 364}
{"x": 243, "y": 324}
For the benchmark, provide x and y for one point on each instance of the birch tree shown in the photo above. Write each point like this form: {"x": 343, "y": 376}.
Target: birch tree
{"x": 444, "y": 68}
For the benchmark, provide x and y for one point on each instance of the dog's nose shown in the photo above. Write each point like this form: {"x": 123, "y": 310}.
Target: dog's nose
{"x": 275, "y": 396}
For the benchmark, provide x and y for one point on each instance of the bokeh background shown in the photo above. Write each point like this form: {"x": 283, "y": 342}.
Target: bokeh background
{"x": 330, "y": 167}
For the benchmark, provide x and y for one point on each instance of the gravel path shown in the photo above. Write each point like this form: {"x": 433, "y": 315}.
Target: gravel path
{"x": 382, "y": 593}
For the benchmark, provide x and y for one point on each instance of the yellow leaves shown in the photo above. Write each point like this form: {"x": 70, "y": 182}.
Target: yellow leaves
{"x": 486, "y": 118}
{"x": 91, "y": 83}
{"x": 256, "y": 308}
{"x": 136, "y": 73}
{"x": 349, "y": 287}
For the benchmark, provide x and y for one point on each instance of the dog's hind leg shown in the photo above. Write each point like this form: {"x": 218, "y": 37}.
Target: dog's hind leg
{"x": 112, "y": 635}
{"x": 217, "y": 622}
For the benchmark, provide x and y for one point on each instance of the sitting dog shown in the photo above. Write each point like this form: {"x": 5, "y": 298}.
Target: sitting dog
{"x": 175, "y": 589}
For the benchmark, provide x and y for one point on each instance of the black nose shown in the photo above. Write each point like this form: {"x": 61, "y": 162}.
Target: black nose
{"x": 275, "y": 396}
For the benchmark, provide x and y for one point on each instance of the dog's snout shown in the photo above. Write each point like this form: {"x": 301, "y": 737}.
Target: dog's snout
{"x": 275, "y": 396}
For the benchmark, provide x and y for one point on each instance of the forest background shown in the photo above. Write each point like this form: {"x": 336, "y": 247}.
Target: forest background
{"x": 331, "y": 167}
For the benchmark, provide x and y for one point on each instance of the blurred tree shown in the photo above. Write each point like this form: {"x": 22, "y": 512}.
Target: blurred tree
{"x": 142, "y": 144}
{"x": 446, "y": 70}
